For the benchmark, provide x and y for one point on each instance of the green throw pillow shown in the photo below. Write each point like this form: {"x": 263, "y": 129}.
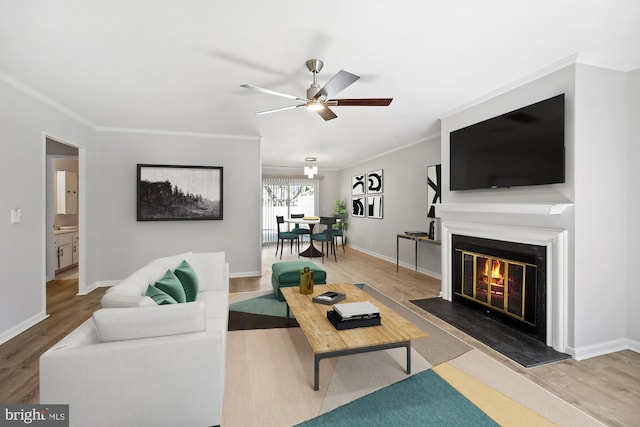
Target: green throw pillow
{"x": 160, "y": 297}
{"x": 171, "y": 285}
{"x": 189, "y": 280}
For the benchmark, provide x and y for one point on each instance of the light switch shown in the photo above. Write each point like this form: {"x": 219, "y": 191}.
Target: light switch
{"x": 16, "y": 215}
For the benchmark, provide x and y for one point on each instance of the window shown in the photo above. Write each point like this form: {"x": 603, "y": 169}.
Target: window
{"x": 285, "y": 196}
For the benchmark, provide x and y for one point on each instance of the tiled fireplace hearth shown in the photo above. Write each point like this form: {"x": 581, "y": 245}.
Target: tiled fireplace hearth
{"x": 551, "y": 242}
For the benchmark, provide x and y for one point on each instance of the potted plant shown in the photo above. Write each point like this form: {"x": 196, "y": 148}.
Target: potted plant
{"x": 340, "y": 211}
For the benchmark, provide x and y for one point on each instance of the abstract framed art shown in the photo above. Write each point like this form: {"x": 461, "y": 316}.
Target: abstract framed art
{"x": 179, "y": 193}
{"x": 374, "y": 182}
{"x": 374, "y": 207}
{"x": 358, "y": 185}
{"x": 357, "y": 207}
{"x": 433, "y": 189}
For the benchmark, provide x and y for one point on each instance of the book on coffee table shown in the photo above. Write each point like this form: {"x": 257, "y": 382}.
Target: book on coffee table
{"x": 328, "y": 298}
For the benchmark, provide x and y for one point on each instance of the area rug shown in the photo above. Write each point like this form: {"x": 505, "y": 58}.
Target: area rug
{"x": 424, "y": 399}
{"x": 262, "y": 310}
{"x": 269, "y": 377}
{"x": 516, "y": 345}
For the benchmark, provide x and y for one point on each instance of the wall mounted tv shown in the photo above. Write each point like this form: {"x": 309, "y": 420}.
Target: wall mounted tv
{"x": 521, "y": 147}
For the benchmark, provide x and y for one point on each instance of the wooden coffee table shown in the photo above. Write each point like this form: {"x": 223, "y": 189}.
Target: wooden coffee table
{"x": 326, "y": 341}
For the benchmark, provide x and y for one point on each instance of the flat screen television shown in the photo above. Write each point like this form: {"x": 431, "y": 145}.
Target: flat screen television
{"x": 521, "y": 147}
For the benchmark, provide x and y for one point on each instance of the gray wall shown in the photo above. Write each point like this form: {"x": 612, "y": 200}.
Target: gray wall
{"x": 125, "y": 244}
{"x": 24, "y": 120}
{"x": 404, "y": 205}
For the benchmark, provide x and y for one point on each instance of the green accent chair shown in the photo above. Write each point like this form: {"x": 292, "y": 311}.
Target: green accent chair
{"x": 285, "y": 235}
{"x": 326, "y": 236}
{"x": 287, "y": 274}
{"x": 300, "y": 230}
{"x": 339, "y": 231}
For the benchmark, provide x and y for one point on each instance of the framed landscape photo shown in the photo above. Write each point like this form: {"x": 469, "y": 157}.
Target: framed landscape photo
{"x": 179, "y": 193}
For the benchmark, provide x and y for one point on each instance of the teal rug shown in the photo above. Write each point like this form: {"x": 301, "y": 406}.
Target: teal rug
{"x": 424, "y": 399}
{"x": 267, "y": 305}
{"x": 262, "y": 312}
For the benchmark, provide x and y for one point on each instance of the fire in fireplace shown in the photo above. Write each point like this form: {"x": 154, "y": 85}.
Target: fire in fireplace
{"x": 503, "y": 279}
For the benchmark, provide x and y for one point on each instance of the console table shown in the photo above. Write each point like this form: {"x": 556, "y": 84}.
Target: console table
{"x": 416, "y": 239}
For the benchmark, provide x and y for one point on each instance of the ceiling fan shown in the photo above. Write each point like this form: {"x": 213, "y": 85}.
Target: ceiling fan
{"x": 320, "y": 99}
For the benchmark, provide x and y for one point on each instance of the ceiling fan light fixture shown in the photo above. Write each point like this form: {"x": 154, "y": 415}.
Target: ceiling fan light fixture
{"x": 315, "y": 106}
{"x": 310, "y": 170}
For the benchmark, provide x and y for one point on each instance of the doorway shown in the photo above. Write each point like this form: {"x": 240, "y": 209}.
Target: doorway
{"x": 64, "y": 211}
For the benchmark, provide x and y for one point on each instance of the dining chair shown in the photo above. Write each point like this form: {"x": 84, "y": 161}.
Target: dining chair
{"x": 339, "y": 230}
{"x": 300, "y": 230}
{"x": 326, "y": 236}
{"x": 286, "y": 235}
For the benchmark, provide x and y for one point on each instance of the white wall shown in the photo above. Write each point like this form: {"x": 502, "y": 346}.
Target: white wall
{"x": 633, "y": 313}
{"x": 601, "y": 211}
{"x": 23, "y": 121}
{"x": 404, "y": 205}
{"x": 126, "y": 244}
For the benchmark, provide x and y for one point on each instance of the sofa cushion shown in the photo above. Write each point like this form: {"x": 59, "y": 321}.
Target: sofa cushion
{"x": 121, "y": 324}
{"x": 135, "y": 284}
{"x": 170, "y": 284}
{"x": 159, "y": 297}
{"x": 189, "y": 280}
{"x": 209, "y": 267}
{"x": 118, "y": 300}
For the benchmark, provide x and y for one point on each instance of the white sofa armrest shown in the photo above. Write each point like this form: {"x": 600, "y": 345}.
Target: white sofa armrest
{"x": 164, "y": 381}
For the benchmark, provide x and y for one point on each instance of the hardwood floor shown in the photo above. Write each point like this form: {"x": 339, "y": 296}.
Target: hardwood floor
{"x": 607, "y": 387}
{"x": 20, "y": 356}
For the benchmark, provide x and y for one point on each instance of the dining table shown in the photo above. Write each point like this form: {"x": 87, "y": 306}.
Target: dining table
{"x": 311, "y": 251}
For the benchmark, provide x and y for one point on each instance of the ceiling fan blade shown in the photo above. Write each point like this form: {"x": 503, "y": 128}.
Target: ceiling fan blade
{"x": 339, "y": 82}
{"x": 273, "y": 92}
{"x": 327, "y": 114}
{"x": 363, "y": 102}
{"x": 275, "y": 110}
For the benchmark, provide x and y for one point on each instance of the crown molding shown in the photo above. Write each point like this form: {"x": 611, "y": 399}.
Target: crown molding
{"x": 177, "y": 133}
{"x": 16, "y": 84}
{"x": 570, "y": 60}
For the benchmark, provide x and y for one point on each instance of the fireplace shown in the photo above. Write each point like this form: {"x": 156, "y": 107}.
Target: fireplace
{"x": 503, "y": 279}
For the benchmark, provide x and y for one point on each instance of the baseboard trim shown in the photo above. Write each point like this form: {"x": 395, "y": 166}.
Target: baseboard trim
{"x": 245, "y": 274}
{"x": 402, "y": 263}
{"x": 22, "y": 326}
{"x": 589, "y": 351}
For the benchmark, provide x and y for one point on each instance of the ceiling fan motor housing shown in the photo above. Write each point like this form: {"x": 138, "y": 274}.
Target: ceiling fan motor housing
{"x": 313, "y": 89}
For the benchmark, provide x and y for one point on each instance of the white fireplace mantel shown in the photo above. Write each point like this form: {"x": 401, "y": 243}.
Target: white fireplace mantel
{"x": 510, "y": 208}
{"x": 555, "y": 241}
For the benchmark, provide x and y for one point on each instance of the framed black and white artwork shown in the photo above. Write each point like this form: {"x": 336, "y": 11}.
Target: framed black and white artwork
{"x": 374, "y": 182}
{"x": 358, "y": 185}
{"x": 374, "y": 207}
{"x": 357, "y": 207}
{"x": 433, "y": 189}
{"x": 178, "y": 193}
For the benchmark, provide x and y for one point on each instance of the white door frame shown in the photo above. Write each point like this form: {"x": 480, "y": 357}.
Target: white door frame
{"x": 82, "y": 277}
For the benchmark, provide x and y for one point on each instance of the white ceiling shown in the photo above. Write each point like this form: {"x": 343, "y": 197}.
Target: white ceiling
{"x": 178, "y": 65}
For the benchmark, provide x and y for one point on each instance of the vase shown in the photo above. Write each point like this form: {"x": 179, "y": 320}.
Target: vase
{"x": 306, "y": 281}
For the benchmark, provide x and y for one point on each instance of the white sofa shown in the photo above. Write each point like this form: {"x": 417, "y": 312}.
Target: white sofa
{"x": 135, "y": 363}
